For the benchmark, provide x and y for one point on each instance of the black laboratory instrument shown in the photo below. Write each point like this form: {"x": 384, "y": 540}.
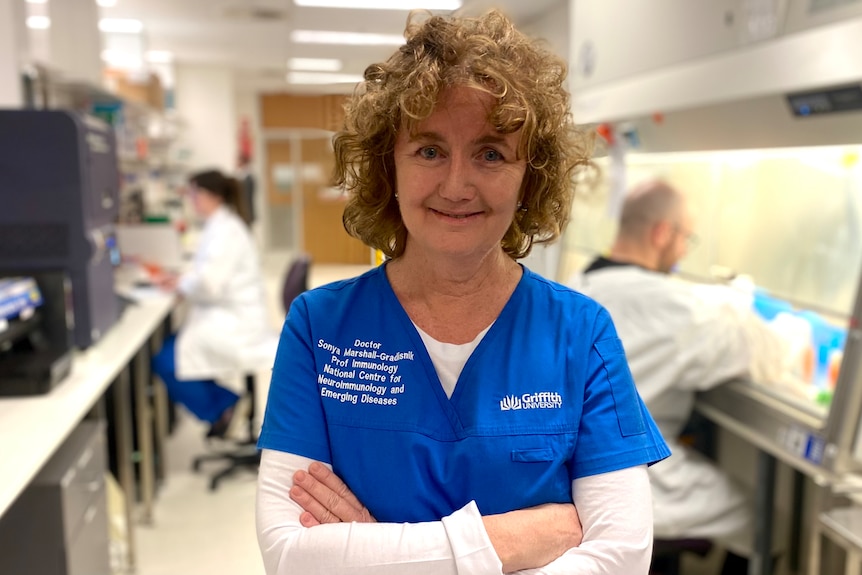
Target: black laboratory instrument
{"x": 59, "y": 192}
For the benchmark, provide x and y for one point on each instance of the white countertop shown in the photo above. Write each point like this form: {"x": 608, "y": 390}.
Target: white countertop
{"x": 33, "y": 427}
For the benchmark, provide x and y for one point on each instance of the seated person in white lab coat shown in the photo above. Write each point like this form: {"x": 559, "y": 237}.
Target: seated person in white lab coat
{"x": 677, "y": 342}
{"x": 227, "y": 318}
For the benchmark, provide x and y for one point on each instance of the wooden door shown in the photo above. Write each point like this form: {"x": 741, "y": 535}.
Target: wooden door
{"x": 300, "y": 161}
{"x": 323, "y": 232}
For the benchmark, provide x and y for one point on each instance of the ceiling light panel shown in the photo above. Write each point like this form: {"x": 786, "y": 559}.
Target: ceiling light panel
{"x": 38, "y": 22}
{"x": 347, "y": 38}
{"x": 121, "y": 25}
{"x": 315, "y": 64}
{"x": 382, "y": 4}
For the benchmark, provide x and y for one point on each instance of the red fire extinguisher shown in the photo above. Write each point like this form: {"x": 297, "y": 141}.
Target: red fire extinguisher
{"x": 245, "y": 146}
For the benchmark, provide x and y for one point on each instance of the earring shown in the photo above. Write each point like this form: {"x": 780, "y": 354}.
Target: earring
{"x": 519, "y": 205}
{"x": 396, "y": 195}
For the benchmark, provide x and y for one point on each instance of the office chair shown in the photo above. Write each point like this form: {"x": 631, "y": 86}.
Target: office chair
{"x": 296, "y": 280}
{"x": 667, "y": 554}
{"x": 247, "y": 455}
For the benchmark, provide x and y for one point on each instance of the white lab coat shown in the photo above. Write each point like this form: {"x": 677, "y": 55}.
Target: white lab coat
{"x": 226, "y": 330}
{"x": 678, "y": 340}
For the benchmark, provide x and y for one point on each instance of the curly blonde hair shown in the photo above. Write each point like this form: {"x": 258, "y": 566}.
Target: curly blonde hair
{"x": 485, "y": 53}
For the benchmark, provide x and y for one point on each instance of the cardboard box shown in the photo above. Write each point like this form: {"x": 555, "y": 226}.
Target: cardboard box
{"x": 142, "y": 88}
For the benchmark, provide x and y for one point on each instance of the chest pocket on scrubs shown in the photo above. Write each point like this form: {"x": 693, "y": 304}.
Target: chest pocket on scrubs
{"x": 537, "y": 470}
{"x": 528, "y": 455}
{"x": 619, "y": 379}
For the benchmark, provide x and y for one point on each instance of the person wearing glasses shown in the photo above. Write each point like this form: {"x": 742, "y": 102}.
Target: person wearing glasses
{"x": 679, "y": 339}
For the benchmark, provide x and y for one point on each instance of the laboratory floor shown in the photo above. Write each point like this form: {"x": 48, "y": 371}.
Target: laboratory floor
{"x": 199, "y": 532}
{"x": 196, "y": 531}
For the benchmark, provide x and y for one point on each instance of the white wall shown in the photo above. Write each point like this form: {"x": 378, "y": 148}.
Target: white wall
{"x": 76, "y": 43}
{"x": 206, "y": 101}
{"x": 12, "y": 37}
{"x": 552, "y": 27}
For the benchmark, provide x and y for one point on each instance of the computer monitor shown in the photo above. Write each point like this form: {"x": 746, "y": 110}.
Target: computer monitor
{"x": 158, "y": 244}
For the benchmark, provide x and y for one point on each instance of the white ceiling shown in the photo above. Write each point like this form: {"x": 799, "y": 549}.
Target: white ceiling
{"x": 253, "y": 36}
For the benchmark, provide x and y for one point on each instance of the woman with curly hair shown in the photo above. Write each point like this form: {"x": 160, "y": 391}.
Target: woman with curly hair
{"x": 450, "y": 411}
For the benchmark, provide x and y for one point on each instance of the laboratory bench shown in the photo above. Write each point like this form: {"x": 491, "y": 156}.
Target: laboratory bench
{"x": 33, "y": 428}
{"x": 817, "y": 443}
{"x": 73, "y": 352}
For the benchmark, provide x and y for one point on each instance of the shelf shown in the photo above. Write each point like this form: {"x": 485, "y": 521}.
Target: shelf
{"x": 845, "y": 525}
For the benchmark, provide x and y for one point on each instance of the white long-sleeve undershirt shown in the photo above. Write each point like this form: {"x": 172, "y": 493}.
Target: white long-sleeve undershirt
{"x": 615, "y": 511}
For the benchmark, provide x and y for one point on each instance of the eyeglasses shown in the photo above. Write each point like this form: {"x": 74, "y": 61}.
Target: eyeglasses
{"x": 690, "y": 237}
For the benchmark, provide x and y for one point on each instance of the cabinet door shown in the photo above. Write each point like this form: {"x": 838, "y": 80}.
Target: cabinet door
{"x": 88, "y": 553}
{"x": 615, "y": 39}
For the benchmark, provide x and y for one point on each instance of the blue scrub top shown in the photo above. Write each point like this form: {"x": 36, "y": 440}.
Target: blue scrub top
{"x": 545, "y": 398}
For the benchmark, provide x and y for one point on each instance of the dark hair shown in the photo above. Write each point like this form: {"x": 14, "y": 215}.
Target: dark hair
{"x": 227, "y": 189}
{"x": 485, "y": 53}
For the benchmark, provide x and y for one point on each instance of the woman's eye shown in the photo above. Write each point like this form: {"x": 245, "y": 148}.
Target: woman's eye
{"x": 429, "y": 152}
{"x": 491, "y": 156}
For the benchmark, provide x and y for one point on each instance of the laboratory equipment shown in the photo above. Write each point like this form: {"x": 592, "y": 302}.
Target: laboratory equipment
{"x": 35, "y": 342}
{"x": 60, "y": 199}
{"x": 791, "y": 219}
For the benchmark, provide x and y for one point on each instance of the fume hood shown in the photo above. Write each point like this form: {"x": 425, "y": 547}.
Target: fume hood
{"x": 754, "y": 109}
{"x": 674, "y": 75}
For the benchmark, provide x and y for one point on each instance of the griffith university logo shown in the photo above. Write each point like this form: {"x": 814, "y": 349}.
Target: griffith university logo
{"x": 541, "y": 400}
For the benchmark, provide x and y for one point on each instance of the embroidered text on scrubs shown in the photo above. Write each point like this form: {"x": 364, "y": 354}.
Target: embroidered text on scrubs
{"x": 328, "y": 347}
{"x": 323, "y": 380}
{"x": 371, "y": 344}
{"x": 377, "y": 366}
{"x": 541, "y": 400}
{"x": 397, "y": 357}
{"x": 339, "y": 372}
{"x": 342, "y": 397}
{"x": 365, "y": 368}
{"x": 363, "y": 353}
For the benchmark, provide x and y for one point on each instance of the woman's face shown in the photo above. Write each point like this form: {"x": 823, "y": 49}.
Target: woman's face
{"x": 458, "y": 179}
{"x": 204, "y": 201}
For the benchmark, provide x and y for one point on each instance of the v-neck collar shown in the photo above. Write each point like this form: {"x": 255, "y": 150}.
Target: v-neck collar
{"x": 447, "y": 404}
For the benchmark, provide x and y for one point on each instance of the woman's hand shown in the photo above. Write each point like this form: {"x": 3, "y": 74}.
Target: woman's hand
{"x": 533, "y": 537}
{"x": 326, "y": 498}
{"x": 166, "y": 281}
{"x": 523, "y": 539}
